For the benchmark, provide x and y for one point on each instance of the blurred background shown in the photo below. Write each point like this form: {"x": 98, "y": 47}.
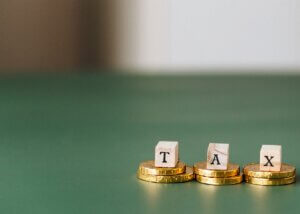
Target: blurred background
{"x": 71, "y": 138}
{"x": 155, "y": 35}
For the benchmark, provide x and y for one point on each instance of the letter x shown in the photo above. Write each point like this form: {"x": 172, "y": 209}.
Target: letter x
{"x": 269, "y": 160}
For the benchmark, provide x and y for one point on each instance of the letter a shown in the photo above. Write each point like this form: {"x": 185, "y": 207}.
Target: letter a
{"x": 216, "y": 158}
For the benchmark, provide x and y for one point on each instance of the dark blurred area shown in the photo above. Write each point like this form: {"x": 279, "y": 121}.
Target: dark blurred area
{"x": 56, "y": 33}
{"x": 164, "y": 36}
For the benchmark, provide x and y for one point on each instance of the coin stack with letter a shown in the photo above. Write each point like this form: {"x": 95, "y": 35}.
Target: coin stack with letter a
{"x": 166, "y": 168}
{"x": 270, "y": 171}
{"x": 216, "y": 170}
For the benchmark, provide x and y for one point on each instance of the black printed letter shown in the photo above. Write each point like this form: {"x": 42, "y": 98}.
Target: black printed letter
{"x": 215, "y": 158}
{"x": 164, "y": 159}
{"x": 269, "y": 160}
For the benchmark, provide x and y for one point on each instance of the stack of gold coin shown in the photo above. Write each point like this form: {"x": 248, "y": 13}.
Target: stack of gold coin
{"x": 218, "y": 177}
{"x": 180, "y": 173}
{"x": 254, "y": 175}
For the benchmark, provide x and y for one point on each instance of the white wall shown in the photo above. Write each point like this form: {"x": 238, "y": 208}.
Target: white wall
{"x": 195, "y": 34}
{"x": 143, "y": 31}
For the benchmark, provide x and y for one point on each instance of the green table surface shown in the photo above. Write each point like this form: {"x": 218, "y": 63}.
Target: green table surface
{"x": 71, "y": 142}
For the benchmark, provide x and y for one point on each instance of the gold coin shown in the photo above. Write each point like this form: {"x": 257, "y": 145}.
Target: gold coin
{"x": 220, "y": 181}
{"x": 200, "y": 168}
{"x": 270, "y": 181}
{"x": 148, "y": 168}
{"x": 253, "y": 170}
{"x": 187, "y": 176}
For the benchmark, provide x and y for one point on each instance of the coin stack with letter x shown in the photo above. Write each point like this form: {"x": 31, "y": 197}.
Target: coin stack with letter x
{"x": 270, "y": 171}
{"x": 217, "y": 170}
{"x": 166, "y": 168}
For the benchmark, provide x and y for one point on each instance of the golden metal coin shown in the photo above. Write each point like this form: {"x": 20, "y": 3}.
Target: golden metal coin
{"x": 253, "y": 170}
{"x": 270, "y": 181}
{"x": 220, "y": 181}
{"x": 187, "y": 176}
{"x": 201, "y": 169}
{"x": 148, "y": 168}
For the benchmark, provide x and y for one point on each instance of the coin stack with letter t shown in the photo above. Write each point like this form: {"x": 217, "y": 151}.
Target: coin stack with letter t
{"x": 166, "y": 168}
{"x": 217, "y": 170}
{"x": 270, "y": 171}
